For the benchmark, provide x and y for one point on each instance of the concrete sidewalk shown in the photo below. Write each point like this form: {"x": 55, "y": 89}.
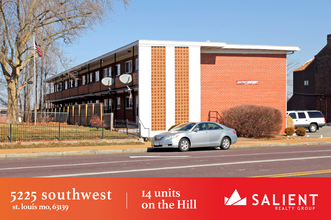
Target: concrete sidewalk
{"x": 143, "y": 148}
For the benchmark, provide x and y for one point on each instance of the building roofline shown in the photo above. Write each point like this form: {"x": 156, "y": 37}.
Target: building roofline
{"x": 304, "y": 66}
{"x": 204, "y": 45}
{"x": 94, "y": 60}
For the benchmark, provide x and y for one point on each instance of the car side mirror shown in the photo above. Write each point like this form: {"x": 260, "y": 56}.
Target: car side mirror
{"x": 196, "y": 129}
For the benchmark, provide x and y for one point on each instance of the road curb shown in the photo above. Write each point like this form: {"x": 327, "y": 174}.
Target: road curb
{"x": 72, "y": 153}
{"x": 280, "y": 144}
{"x": 141, "y": 150}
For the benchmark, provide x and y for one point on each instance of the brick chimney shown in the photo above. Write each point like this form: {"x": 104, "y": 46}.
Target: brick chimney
{"x": 329, "y": 39}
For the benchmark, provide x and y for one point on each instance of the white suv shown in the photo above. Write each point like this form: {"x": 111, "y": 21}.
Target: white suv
{"x": 311, "y": 119}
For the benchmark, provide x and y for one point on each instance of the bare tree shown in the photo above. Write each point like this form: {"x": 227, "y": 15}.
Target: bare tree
{"x": 60, "y": 19}
{"x": 292, "y": 64}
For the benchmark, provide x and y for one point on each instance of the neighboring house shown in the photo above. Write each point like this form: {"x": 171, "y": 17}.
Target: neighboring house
{"x": 176, "y": 81}
{"x": 312, "y": 84}
{"x": 3, "y": 114}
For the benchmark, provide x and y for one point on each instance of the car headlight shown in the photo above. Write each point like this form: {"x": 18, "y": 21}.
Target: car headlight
{"x": 171, "y": 137}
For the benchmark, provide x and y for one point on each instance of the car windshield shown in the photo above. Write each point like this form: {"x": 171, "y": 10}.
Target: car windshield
{"x": 183, "y": 127}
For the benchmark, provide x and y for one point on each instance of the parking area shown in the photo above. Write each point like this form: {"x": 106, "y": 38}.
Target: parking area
{"x": 324, "y": 131}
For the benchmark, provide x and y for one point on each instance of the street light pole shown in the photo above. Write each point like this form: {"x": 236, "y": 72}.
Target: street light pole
{"x": 34, "y": 83}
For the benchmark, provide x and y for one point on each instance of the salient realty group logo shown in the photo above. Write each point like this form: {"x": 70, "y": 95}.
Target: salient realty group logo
{"x": 235, "y": 199}
{"x": 280, "y": 201}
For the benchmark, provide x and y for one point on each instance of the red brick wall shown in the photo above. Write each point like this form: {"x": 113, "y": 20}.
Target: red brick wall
{"x": 220, "y": 73}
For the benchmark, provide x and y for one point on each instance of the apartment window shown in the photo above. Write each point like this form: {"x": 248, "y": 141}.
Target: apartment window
{"x": 137, "y": 64}
{"x": 97, "y": 76}
{"x": 87, "y": 79}
{"x": 71, "y": 83}
{"x": 91, "y": 77}
{"x": 118, "y": 103}
{"x": 83, "y": 80}
{"x": 97, "y": 101}
{"x": 66, "y": 85}
{"x": 118, "y": 68}
{"x": 128, "y": 103}
{"x": 128, "y": 66}
{"x": 76, "y": 82}
{"x": 306, "y": 82}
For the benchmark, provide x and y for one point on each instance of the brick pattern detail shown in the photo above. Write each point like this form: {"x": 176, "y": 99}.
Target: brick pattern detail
{"x": 219, "y": 75}
{"x": 158, "y": 88}
{"x": 181, "y": 85}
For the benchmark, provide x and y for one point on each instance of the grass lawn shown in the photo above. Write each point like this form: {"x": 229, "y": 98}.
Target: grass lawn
{"x": 50, "y": 132}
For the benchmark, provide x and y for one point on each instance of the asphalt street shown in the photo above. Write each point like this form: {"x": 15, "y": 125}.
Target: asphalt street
{"x": 298, "y": 161}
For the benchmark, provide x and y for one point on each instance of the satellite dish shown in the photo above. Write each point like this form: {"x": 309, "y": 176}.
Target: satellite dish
{"x": 107, "y": 81}
{"x": 126, "y": 78}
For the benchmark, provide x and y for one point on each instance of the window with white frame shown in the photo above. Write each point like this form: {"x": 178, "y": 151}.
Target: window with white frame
{"x": 97, "y": 76}
{"x": 128, "y": 66}
{"x": 91, "y": 77}
{"x": 66, "y": 85}
{"x": 60, "y": 86}
{"x": 137, "y": 62}
{"x": 118, "y": 103}
{"x": 71, "y": 83}
{"x": 109, "y": 71}
{"x": 83, "y": 80}
{"x": 76, "y": 82}
{"x": 306, "y": 83}
{"x": 118, "y": 68}
{"x": 128, "y": 103}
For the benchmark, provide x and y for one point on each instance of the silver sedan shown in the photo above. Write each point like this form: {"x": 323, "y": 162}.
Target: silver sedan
{"x": 192, "y": 134}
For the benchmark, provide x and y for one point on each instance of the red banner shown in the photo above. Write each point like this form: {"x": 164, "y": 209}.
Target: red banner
{"x": 164, "y": 198}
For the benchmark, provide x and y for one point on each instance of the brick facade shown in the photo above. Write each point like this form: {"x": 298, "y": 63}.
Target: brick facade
{"x": 220, "y": 73}
{"x": 317, "y": 94}
{"x": 181, "y": 85}
{"x": 158, "y": 87}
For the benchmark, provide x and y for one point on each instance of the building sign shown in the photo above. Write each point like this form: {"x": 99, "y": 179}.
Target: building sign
{"x": 245, "y": 82}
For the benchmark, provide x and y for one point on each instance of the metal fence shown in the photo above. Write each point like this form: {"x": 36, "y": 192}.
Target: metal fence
{"x": 128, "y": 127}
{"x": 59, "y": 131}
{"x": 46, "y": 117}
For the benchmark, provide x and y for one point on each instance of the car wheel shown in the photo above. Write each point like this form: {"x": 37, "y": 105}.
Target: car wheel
{"x": 312, "y": 128}
{"x": 226, "y": 143}
{"x": 184, "y": 144}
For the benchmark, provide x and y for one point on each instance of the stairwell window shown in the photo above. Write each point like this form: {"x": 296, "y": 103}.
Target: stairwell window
{"x": 128, "y": 66}
{"x": 118, "y": 103}
{"x": 137, "y": 64}
{"x": 118, "y": 68}
{"x": 128, "y": 103}
{"x": 306, "y": 83}
{"x": 97, "y": 76}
